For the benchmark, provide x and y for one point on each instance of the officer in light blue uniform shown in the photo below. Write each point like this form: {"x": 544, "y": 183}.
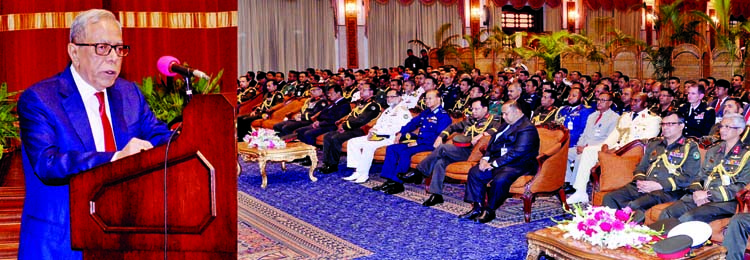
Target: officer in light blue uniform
{"x": 574, "y": 115}
{"x": 430, "y": 122}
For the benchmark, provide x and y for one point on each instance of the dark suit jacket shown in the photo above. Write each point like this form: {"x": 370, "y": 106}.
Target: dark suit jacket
{"x": 334, "y": 112}
{"x": 57, "y": 143}
{"x": 522, "y": 143}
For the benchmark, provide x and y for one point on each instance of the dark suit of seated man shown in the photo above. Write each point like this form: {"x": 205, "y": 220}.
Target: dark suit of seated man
{"x": 326, "y": 120}
{"x": 510, "y": 154}
{"x": 74, "y": 121}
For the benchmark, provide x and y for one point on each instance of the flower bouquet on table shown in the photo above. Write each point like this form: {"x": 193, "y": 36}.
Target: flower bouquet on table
{"x": 607, "y": 227}
{"x": 264, "y": 139}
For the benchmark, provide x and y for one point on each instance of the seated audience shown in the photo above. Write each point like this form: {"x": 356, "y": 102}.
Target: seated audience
{"x": 271, "y": 98}
{"x": 398, "y": 156}
{"x": 360, "y": 150}
{"x": 480, "y": 123}
{"x": 669, "y": 165}
{"x": 724, "y": 172}
{"x": 634, "y": 125}
{"x": 511, "y": 153}
{"x": 295, "y": 120}
{"x": 366, "y": 110}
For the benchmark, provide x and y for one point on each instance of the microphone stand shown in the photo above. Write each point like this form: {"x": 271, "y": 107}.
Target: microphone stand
{"x": 188, "y": 90}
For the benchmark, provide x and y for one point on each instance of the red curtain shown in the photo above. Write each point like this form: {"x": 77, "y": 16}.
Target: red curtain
{"x": 426, "y": 2}
{"x": 536, "y": 4}
{"x": 741, "y": 8}
{"x": 31, "y": 53}
{"x": 518, "y": 4}
{"x": 592, "y": 4}
{"x": 689, "y": 5}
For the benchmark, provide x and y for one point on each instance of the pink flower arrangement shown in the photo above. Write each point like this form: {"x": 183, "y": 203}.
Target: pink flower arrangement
{"x": 610, "y": 228}
{"x": 264, "y": 139}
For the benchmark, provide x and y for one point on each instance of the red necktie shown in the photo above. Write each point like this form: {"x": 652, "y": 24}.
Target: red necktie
{"x": 109, "y": 137}
{"x": 718, "y": 105}
{"x": 747, "y": 116}
{"x": 597, "y": 118}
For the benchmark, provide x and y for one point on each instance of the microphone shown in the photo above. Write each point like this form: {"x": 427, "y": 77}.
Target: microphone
{"x": 170, "y": 66}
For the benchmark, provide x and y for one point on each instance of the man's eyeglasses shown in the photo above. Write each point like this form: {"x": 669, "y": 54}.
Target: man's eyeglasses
{"x": 670, "y": 123}
{"x": 103, "y": 49}
{"x": 732, "y": 127}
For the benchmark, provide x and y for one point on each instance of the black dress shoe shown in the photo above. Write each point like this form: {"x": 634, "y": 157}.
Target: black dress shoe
{"x": 471, "y": 214}
{"x": 383, "y": 186}
{"x": 486, "y": 216}
{"x": 304, "y": 161}
{"x": 569, "y": 188}
{"x": 328, "y": 169}
{"x": 411, "y": 177}
{"x": 433, "y": 200}
{"x": 395, "y": 188}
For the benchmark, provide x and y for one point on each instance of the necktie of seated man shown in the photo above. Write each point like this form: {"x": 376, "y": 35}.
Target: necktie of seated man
{"x": 109, "y": 137}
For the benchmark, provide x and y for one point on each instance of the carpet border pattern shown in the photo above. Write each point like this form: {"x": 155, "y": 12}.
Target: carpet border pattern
{"x": 301, "y": 240}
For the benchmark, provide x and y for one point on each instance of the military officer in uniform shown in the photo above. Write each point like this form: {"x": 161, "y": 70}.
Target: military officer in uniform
{"x": 271, "y": 98}
{"x": 430, "y": 122}
{"x": 366, "y": 110}
{"x": 510, "y": 154}
{"x": 545, "y": 113}
{"x": 350, "y": 87}
{"x": 669, "y": 165}
{"x": 462, "y": 102}
{"x": 429, "y": 84}
{"x": 735, "y": 238}
{"x": 530, "y": 94}
{"x": 496, "y": 102}
{"x": 312, "y": 106}
{"x": 481, "y": 123}
{"x": 598, "y": 126}
{"x": 636, "y": 124}
{"x": 450, "y": 91}
{"x": 325, "y": 120}
{"x": 360, "y": 150}
{"x": 725, "y": 172}
{"x": 574, "y": 115}
{"x": 699, "y": 117}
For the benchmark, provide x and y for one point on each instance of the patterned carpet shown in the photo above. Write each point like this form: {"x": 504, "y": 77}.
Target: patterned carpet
{"x": 268, "y": 233}
{"x": 390, "y": 227}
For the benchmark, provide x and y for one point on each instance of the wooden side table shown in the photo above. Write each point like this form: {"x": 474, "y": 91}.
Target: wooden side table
{"x": 293, "y": 151}
{"x": 549, "y": 241}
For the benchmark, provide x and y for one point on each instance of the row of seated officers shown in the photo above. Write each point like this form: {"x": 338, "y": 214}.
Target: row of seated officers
{"x": 671, "y": 169}
{"x": 397, "y": 126}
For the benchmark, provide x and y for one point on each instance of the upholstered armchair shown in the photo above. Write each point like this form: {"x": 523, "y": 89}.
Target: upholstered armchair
{"x": 460, "y": 170}
{"x": 279, "y": 112}
{"x": 246, "y": 107}
{"x": 615, "y": 169}
{"x": 550, "y": 176}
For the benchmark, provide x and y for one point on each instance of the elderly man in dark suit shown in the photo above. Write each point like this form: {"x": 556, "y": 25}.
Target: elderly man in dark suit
{"x": 510, "y": 154}
{"x": 74, "y": 121}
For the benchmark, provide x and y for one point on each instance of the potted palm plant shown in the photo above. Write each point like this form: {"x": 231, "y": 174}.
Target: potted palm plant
{"x": 8, "y": 121}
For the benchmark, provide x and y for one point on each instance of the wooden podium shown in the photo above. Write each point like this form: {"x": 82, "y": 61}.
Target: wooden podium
{"x": 118, "y": 209}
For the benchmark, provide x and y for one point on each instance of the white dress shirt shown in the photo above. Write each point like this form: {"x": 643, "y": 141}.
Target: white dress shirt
{"x": 91, "y": 103}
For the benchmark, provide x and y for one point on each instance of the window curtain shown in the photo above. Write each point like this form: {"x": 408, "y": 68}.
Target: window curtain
{"x": 599, "y": 22}
{"x": 285, "y": 35}
{"x": 552, "y": 17}
{"x": 392, "y": 25}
